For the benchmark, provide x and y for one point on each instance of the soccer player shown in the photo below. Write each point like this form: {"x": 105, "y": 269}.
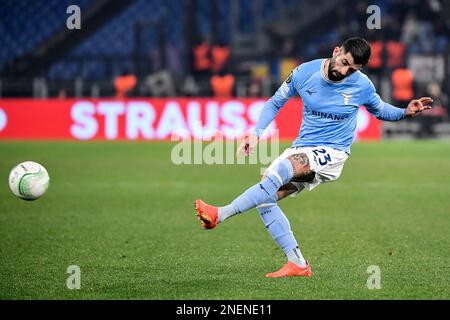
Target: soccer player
{"x": 332, "y": 91}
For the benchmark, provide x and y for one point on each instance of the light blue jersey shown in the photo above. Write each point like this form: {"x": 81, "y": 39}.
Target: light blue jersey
{"x": 330, "y": 109}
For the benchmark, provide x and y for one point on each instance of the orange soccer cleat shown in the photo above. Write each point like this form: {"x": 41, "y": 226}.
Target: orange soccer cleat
{"x": 207, "y": 214}
{"x": 290, "y": 269}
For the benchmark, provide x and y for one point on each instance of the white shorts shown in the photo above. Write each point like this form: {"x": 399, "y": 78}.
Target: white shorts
{"x": 326, "y": 162}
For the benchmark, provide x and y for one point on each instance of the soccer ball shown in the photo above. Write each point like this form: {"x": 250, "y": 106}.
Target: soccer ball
{"x": 28, "y": 180}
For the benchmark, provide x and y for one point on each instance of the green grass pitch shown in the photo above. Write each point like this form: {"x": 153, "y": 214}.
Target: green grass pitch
{"x": 124, "y": 214}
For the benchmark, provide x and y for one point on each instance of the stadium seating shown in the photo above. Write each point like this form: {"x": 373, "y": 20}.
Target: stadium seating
{"x": 19, "y": 29}
{"x": 116, "y": 38}
{"x": 30, "y": 22}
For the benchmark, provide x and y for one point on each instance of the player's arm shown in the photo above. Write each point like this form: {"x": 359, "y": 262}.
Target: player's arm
{"x": 268, "y": 113}
{"x": 387, "y": 112}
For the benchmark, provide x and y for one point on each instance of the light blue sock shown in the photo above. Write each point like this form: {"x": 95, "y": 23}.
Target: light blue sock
{"x": 277, "y": 224}
{"x": 279, "y": 228}
{"x": 281, "y": 174}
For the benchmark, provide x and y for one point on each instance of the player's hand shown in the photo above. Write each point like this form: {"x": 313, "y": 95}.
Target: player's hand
{"x": 247, "y": 145}
{"x": 416, "y": 106}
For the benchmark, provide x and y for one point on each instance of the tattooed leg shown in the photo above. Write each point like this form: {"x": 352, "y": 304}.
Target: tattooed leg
{"x": 302, "y": 170}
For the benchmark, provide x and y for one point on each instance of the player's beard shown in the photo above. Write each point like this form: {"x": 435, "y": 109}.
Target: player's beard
{"x": 334, "y": 75}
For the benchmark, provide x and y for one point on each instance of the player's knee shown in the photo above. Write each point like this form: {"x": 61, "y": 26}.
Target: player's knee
{"x": 302, "y": 169}
{"x": 286, "y": 191}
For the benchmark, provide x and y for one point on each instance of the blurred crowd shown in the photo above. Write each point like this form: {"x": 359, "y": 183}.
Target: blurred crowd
{"x": 410, "y": 54}
{"x": 161, "y": 48}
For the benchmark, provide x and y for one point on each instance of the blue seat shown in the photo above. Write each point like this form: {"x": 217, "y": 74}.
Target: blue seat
{"x": 24, "y": 24}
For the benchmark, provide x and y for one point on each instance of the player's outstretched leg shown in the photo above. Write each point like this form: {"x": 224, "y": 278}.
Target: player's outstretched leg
{"x": 278, "y": 176}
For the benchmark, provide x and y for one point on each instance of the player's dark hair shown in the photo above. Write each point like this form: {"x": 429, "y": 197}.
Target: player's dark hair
{"x": 359, "y": 48}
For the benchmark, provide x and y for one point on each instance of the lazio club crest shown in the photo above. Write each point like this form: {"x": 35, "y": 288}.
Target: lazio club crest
{"x": 346, "y": 97}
